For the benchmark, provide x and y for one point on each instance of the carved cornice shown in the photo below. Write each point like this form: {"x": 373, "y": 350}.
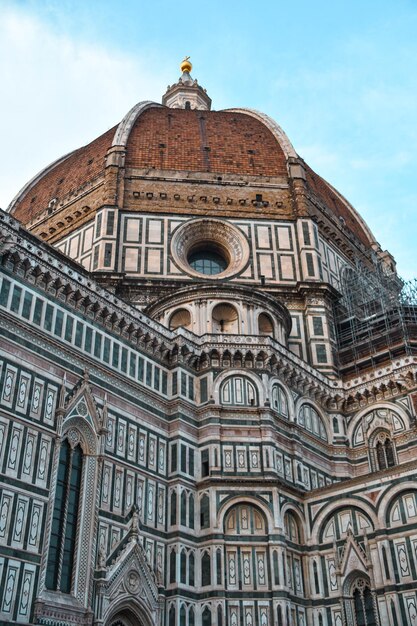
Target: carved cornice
{"x": 69, "y": 282}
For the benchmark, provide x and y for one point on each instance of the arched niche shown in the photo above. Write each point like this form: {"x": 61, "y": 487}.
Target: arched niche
{"x": 265, "y": 325}
{"x": 181, "y": 318}
{"x": 225, "y": 319}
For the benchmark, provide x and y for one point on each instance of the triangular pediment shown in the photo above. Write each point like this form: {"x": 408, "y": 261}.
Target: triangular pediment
{"x": 353, "y": 558}
{"x": 80, "y": 402}
{"x": 128, "y": 579}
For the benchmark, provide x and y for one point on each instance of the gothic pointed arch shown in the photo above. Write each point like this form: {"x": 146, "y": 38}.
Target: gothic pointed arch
{"x": 68, "y": 564}
{"x": 125, "y": 582}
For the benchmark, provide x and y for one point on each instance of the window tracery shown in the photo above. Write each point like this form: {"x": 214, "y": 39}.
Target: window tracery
{"x": 309, "y": 419}
{"x": 363, "y": 604}
{"x": 382, "y": 451}
{"x": 279, "y": 401}
{"x": 238, "y": 391}
{"x": 65, "y": 515}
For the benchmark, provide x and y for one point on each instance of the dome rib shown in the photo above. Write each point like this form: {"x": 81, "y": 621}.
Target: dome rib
{"x": 272, "y": 126}
{"x": 122, "y": 133}
{"x": 32, "y": 182}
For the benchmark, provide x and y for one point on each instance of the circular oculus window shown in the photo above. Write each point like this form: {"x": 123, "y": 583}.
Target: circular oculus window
{"x": 210, "y": 247}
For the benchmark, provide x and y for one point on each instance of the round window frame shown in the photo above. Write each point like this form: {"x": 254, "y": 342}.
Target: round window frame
{"x": 207, "y": 233}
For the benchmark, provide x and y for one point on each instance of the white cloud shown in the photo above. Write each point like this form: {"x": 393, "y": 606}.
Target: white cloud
{"x": 58, "y": 93}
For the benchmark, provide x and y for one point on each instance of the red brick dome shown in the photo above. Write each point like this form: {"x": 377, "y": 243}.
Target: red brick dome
{"x": 236, "y": 142}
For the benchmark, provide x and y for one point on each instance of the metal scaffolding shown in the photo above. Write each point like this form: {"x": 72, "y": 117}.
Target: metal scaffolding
{"x": 375, "y": 318}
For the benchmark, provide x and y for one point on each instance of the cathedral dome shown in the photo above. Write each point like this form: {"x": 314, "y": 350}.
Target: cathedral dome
{"x": 184, "y": 140}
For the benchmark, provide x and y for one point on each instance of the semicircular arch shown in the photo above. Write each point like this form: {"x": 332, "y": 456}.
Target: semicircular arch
{"x": 334, "y": 507}
{"x": 386, "y": 500}
{"x": 227, "y": 505}
{"x": 323, "y": 418}
{"x": 395, "y": 408}
{"x": 259, "y": 386}
{"x": 290, "y": 400}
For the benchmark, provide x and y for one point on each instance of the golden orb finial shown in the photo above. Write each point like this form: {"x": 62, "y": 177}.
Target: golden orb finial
{"x": 186, "y": 66}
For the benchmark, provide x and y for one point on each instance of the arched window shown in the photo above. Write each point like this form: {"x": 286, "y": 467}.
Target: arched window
{"x": 64, "y": 521}
{"x": 182, "y": 615}
{"x": 225, "y": 319}
{"x": 206, "y": 617}
{"x": 191, "y": 570}
{"x": 172, "y": 567}
{"x": 316, "y": 577}
{"x": 265, "y": 325}
{"x": 245, "y": 519}
{"x": 309, "y": 419}
{"x": 276, "y": 567}
{"x": 183, "y": 567}
{"x": 381, "y": 451}
{"x": 219, "y": 616}
{"x": 173, "y": 508}
{"x": 238, "y": 391}
{"x": 191, "y": 617}
{"x": 205, "y": 512}
{"x": 191, "y": 511}
{"x": 172, "y": 616}
{"x": 385, "y": 453}
{"x": 279, "y": 400}
{"x": 385, "y": 561}
{"x": 394, "y": 614}
{"x": 291, "y": 527}
{"x": 218, "y": 566}
{"x": 363, "y": 604}
{"x": 184, "y": 508}
{"x": 206, "y": 570}
{"x": 279, "y": 615}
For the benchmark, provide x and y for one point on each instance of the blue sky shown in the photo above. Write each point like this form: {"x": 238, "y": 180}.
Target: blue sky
{"x": 340, "y": 78}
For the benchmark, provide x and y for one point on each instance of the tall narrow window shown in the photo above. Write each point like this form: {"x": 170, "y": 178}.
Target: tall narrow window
{"x": 191, "y": 618}
{"x": 206, "y": 617}
{"x": 205, "y": 463}
{"x": 394, "y": 614}
{"x": 184, "y": 508}
{"x": 204, "y": 512}
{"x": 173, "y": 508}
{"x": 191, "y": 570}
{"x": 183, "y": 567}
{"x": 316, "y": 577}
{"x": 219, "y": 616}
{"x": 64, "y": 521}
{"x": 384, "y": 452}
{"x": 385, "y": 561}
{"x": 191, "y": 511}
{"x": 205, "y": 570}
{"x": 276, "y": 567}
{"x": 218, "y": 567}
{"x": 363, "y": 604}
{"x": 172, "y": 567}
